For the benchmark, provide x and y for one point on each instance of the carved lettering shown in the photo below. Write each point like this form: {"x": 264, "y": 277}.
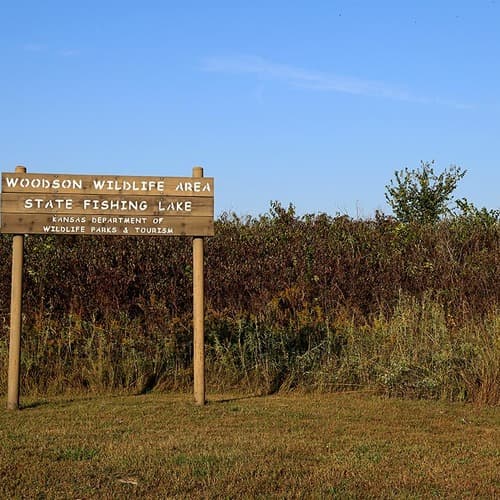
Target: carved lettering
{"x": 175, "y": 206}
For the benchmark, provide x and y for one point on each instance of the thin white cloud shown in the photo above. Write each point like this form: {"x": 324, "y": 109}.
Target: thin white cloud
{"x": 41, "y": 48}
{"x": 315, "y": 80}
{"x": 34, "y": 47}
{"x": 69, "y": 53}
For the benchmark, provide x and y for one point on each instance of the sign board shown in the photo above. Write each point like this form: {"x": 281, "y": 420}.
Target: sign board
{"x": 112, "y": 205}
{"x": 88, "y": 204}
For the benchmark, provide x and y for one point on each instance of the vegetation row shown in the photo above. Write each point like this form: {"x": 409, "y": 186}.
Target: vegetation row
{"x": 313, "y": 302}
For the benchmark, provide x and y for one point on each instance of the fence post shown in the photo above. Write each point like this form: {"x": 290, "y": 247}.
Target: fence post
{"x": 198, "y": 315}
{"x": 16, "y": 298}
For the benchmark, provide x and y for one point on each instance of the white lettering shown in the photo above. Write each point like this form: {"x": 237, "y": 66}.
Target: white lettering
{"x": 193, "y": 187}
{"x": 127, "y": 185}
{"x": 42, "y": 183}
{"x": 154, "y": 230}
{"x": 64, "y": 229}
{"x": 118, "y": 220}
{"x": 40, "y": 203}
{"x": 119, "y": 205}
{"x": 103, "y": 230}
{"x": 98, "y": 184}
{"x": 175, "y": 206}
{"x": 68, "y": 219}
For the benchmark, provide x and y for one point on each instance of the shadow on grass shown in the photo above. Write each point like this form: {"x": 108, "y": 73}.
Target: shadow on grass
{"x": 34, "y": 404}
{"x": 235, "y": 398}
{"x": 56, "y": 402}
{"x": 71, "y": 400}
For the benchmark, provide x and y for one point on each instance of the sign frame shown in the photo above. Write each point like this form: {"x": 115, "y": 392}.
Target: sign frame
{"x": 192, "y": 196}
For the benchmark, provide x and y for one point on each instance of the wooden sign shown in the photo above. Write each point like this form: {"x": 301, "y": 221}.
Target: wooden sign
{"x": 86, "y": 204}
{"x": 112, "y": 205}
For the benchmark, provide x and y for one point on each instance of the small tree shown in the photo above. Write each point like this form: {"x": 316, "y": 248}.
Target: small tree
{"x": 420, "y": 195}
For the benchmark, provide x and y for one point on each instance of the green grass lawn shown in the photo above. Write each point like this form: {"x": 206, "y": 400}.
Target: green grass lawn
{"x": 347, "y": 445}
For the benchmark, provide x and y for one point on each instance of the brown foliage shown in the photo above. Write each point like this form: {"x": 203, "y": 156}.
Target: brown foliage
{"x": 284, "y": 277}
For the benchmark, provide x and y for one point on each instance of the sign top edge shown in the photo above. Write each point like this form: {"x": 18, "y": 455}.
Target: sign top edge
{"x": 59, "y": 174}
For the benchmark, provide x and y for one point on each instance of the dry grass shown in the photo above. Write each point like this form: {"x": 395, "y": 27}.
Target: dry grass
{"x": 162, "y": 446}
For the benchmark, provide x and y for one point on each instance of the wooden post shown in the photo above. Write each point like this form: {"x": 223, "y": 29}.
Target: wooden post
{"x": 198, "y": 315}
{"x": 15, "y": 318}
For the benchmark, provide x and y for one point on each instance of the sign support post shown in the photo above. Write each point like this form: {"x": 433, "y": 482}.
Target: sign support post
{"x": 15, "y": 318}
{"x": 198, "y": 314}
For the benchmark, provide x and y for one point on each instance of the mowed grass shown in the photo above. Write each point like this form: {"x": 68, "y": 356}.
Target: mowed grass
{"x": 344, "y": 445}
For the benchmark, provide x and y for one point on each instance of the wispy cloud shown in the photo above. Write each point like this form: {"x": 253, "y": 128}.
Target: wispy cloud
{"x": 41, "y": 48}
{"x": 315, "y": 80}
{"x": 69, "y": 52}
{"x": 34, "y": 47}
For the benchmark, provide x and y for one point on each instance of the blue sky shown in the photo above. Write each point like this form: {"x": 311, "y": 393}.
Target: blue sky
{"x": 315, "y": 103}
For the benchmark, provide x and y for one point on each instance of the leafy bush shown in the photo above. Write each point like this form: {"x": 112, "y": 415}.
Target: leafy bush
{"x": 421, "y": 195}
